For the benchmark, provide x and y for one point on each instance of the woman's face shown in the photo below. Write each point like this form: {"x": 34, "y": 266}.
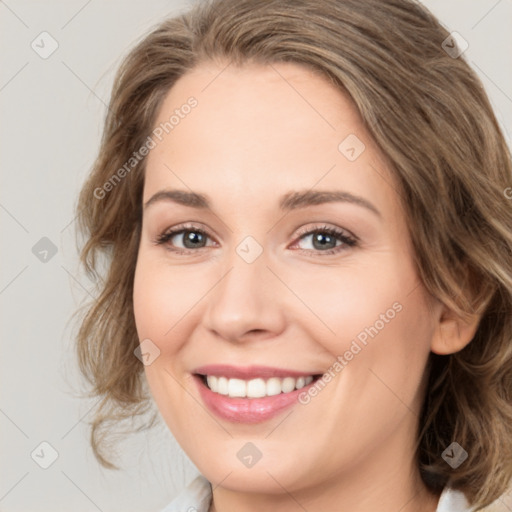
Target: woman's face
{"x": 280, "y": 156}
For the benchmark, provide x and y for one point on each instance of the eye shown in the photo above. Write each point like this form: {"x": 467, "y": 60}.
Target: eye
{"x": 324, "y": 239}
{"x": 192, "y": 238}
{"x": 327, "y": 240}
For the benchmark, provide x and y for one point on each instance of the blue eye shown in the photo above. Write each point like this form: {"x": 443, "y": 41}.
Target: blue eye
{"x": 325, "y": 239}
{"x": 192, "y": 238}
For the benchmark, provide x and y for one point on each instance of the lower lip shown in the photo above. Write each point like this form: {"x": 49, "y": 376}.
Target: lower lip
{"x": 247, "y": 410}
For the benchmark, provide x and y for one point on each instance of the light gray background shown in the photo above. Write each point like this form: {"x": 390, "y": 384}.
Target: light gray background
{"x": 51, "y": 118}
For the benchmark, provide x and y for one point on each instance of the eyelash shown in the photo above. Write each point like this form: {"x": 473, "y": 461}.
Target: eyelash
{"x": 348, "y": 241}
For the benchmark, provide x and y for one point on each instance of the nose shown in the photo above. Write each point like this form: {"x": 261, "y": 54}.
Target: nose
{"x": 247, "y": 303}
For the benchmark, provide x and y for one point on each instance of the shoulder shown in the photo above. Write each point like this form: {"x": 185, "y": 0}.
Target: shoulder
{"x": 452, "y": 501}
{"x": 196, "y": 497}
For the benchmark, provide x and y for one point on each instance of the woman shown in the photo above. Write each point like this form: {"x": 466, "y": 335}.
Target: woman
{"x": 304, "y": 212}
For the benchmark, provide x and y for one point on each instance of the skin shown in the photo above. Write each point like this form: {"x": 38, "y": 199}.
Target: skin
{"x": 257, "y": 133}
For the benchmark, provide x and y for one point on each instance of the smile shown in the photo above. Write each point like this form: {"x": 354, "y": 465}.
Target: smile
{"x": 250, "y": 395}
{"x": 255, "y": 388}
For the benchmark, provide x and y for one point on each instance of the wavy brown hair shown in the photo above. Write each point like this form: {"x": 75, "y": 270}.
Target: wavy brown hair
{"x": 430, "y": 117}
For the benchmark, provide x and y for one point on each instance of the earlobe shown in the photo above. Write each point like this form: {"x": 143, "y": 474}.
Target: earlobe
{"x": 453, "y": 333}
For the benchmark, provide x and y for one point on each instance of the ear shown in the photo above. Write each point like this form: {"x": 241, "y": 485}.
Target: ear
{"x": 452, "y": 332}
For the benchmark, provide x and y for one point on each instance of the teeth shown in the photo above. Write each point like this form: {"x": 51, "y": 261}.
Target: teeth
{"x": 212, "y": 382}
{"x": 222, "y": 385}
{"x": 289, "y": 384}
{"x": 273, "y": 386}
{"x": 255, "y": 388}
{"x": 237, "y": 388}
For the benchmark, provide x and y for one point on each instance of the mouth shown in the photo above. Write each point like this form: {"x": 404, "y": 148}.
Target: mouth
{"x": 255, "y": 388}
{"x": 250, "y": 395}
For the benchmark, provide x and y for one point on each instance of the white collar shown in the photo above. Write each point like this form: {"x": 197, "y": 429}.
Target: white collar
{"x": 452, "y": 501}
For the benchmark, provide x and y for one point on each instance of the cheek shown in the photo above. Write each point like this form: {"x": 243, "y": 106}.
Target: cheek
{"x": 354, "y": 300}
{"x": 159, "y": 304}
{"x": 383, "y": 356}
{"x": 167, "y": 309}
{"x": 380, "y": 329}
{"x": 162, "y": 296}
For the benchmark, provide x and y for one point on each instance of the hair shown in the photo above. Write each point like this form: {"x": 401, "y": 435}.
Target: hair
{"x": 431, "y": 119}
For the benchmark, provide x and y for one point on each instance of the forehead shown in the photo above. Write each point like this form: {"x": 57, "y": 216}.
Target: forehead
{"x": 258, "y": 129}
{"x": 260, "y": 101}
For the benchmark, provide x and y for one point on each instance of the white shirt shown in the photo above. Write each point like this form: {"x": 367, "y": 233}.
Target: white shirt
{"x": 197, "y": 496}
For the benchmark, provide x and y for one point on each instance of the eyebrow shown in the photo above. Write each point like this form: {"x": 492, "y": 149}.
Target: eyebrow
{"x": 287, "y": 202}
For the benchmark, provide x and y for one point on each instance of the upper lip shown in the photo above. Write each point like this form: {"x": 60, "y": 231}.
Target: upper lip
{"x": 249, "y": 372}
